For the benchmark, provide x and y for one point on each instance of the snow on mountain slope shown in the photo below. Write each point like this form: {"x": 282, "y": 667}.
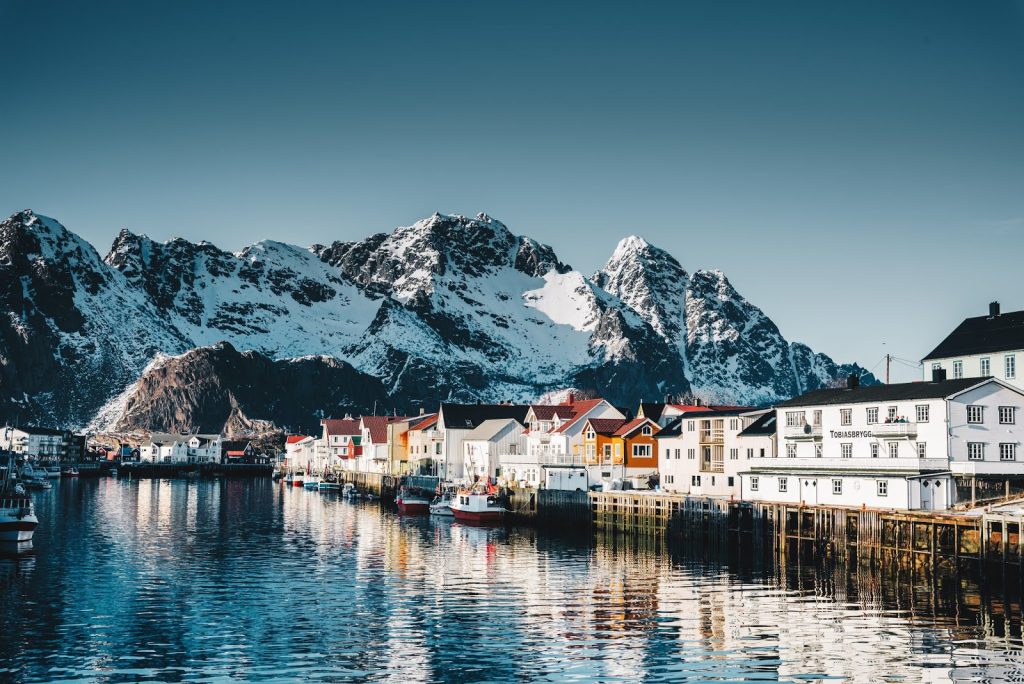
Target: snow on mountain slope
{"x": 450, "y": 307}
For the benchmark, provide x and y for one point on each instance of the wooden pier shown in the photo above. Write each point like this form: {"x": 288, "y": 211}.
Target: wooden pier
{"x": 924, "y": 538}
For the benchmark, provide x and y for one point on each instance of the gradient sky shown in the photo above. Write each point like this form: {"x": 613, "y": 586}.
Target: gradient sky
{"x": 856, "y": 169}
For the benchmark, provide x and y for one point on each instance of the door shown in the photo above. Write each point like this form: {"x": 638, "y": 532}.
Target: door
{"x": 809, "y": 490}
{"x": 927, "y": 496}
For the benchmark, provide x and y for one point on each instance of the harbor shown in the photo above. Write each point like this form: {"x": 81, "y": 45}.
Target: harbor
{"x": 179, "y": 578}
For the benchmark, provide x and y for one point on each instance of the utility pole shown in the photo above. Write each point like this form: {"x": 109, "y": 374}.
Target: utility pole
{"x": 888, "y": 362}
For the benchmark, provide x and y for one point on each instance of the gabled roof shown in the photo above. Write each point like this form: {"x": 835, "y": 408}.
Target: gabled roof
{"x": 548, "y": 411}
{"x": 582, "y": 408}
{"x": 468, "y": 416}
{"x": 50, "y": 432}
{"x": 606, "y": 426}
{"x": 899, "y": 392}
{"x": 651, "y": 410}
{"x": 634, "y": 425}
{"x": 423, "y": 422}
{"x": 983, "y": 335}
{"x": 294, "y": 439}
{"x": 378, "y": 427}
{"x": 765, "y": 425}
{"x": 489, "y": 429}
{"x": 341, "y": 426}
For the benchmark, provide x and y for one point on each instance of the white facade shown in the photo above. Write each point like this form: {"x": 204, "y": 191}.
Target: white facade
{"x": 45, "y": 444}
{"x": 482, "y": 448}
{"x": 169, "y": 448}
{"x": 426, "y": 447}
{"x": 1003, "y": 365}
{"x": 897, "y": 454}
{"x": 708, "y": 454}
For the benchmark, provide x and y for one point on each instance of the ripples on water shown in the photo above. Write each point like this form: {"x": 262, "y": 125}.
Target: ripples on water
{"x": 248, "y": 580}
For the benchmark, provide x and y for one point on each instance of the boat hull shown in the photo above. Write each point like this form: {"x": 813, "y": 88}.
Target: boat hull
{"x": 18, "y": 530}
{"x": 478, "y": 517}
{"x": 444, "y": 511}
{"x": 413, "y": 506}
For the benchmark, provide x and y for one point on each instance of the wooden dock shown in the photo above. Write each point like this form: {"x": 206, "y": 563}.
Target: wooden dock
{"x": 924, "y": 538}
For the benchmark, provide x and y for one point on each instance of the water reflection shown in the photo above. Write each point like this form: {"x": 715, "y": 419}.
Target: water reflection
{"x": 249, "y": 580}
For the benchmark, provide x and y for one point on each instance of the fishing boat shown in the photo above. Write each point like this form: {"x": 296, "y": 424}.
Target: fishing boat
{"x": 52, "y": 471}
{"x": 329, "y": 482}
{"x": 70, "y": 471}
{"x": 350, "y": 492}
{"x": 18, "y": 519}
{"x": 441, "y": 505}
{"x": 298, "y": 478}
{"x": 413, "y": 500}
{"x": 312, "y": 481}
{"x": 478, "y": 505}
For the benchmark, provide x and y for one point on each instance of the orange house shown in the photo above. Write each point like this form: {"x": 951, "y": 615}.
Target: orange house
{"x": 619, "y": 448}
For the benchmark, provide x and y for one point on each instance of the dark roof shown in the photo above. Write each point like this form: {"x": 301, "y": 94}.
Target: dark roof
{"x": 899, "y": 392}
{"x": 606, "y": 426}
{"x": 652, "y": 411}
{"x": 765, "y": 425}
{"x": 469, "y": 416}
{"x": 982, "y": 335}
{"x": 41, "y": 431}
{"x": 674, "y": 428}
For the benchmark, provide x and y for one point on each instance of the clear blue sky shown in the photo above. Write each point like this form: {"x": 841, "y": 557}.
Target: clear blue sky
{"x": 857, "y": 169}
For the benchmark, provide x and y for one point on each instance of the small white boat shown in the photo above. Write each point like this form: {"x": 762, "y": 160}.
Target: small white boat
{"x": 53, "y": 472}
{"x": 477, "y": 506}
{"x": 311, "y": 482}
{"x": 18, "y": 519}
{"x": 441, "y": 506}
{"x": 349, "y": 491}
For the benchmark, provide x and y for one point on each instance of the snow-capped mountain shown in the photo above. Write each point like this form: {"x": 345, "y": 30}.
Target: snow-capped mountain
{"x": 449, "y": 308}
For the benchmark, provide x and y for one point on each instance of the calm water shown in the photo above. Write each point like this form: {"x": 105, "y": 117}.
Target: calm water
{"x": 248, "y": 580}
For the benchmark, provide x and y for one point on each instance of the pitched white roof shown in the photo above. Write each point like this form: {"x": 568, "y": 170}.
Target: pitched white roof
{"x": 490, "y": 429}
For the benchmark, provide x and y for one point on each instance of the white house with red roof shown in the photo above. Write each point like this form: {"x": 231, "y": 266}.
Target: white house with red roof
{"x": 299, "y": 451}
{"x": 341, "y": 440}
{"x": 424, "y": 445}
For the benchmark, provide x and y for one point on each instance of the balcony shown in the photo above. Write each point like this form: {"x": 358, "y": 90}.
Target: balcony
{"x": 895, "y": 430}
{"x": 883, "y": 464}
{"x": 712, "y": 436}
{"x": 712, "y": 465}
{"x": 802, "y": 432}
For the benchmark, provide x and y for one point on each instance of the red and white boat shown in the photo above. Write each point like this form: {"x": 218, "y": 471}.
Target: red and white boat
{"x": 477, "y": 506}
{"x": 413, "y": 501}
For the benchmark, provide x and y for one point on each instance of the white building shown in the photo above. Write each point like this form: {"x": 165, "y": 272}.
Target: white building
{"x": 483, "y": 446}
{"x": 340, "y": 439}
{"x": 425, "y": 444}
{"x": 703, "y": 453}
{"x": 889, "y": 446}
{"x": 42, "y": 443}
{"x": 177, "y": 448}
{"x": 984, "y": 346}
{"x": 454, "y": 422}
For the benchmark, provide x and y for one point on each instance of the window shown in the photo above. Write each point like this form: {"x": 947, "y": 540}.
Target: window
{"x": 894, "y": 449}
{"x": 734, "y": 424}
{"x": 795, "y": 419}
{"x": 695, "y": 480}
{"x": 590, "y": 434}
{"x": 1007, "y": 415}
{"x": 922, "y": 413}
{"x": 975, "y": 451}
{"x": 734, "y": 454}
{"x": 922, "y": 450}
{"x": 975, "y": 414}
{"x": 872, "y": 415}
{"x": 874, "y": 450}
{"x": 678, "y": 453}
{"x": 1007, "y": 452}
{"x": 754, "y": 484}
{"x": 641, "y": 451}
{"x": 646, "y": 431}
{"x": 731, "y": 481}
{"x": 762, "y": 453}
{"x": 750, "y": 453}
{"x": 846, "y": 416}
{"x": 791, "y": 450}
{"x": 846, "y": 450}
{"x": 883, "y": 488}
{"x": 690, "y": 425}
{"x": 783, "y": 484}
{"x": 958, "y": 370}
{"x": 669, "y": 479}
{"x": 691, "y": 454}
{"x": 891, "y": 413}
{"x": 817, "y": 450}
{"x": 837, "y": 487}
{"x": 936, "y": 366}
{"x": 1010, "y": 366}
{"x": 986, "y": 367}
{"x": 668, "y": 454}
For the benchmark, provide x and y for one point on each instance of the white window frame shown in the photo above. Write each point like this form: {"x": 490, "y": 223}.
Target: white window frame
{"x": 734, "y": 454}
{"x": 893, "y": 449}
{"x": 796, "y": 418}
{"x": 1007, "y": 451}
{"x": 871, "y": 414}
{"x": 846, "y": 416}
{"x": 691, "y": 454}
{"x": 874, "y": 450}
{"x": 646, "y": 431}
{"x": 783, "y": 485}
{"x": 846, "y": 450}
{"x": 976, "y": 451}
{"x": 958, "y": 370}
{"x": 837, "y": 487}
{"x": 817, "y": 449}
{"x": 985, "y": 365}
{"x": 1010, "y": 366}
{"x": 790, "y": 450}
{"x": 922, "y": 412}
{"x": 1007, "y": 415}
{"x": 922, "y": 450}
{"x": 975, "y": 414}
{"x": 755, "y": 483}
{"x": 882, "y": 488}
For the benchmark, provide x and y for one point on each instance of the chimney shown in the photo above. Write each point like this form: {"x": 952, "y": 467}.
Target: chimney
{"x": 697, "y": 402}
{"x": 422, "y": 410}
{"x": 853, "y": 382}
{"x": 938, "y": 374}
{"x": 668, "y": 398}
{"x": 993, "y": 309}
{"x": 570, "y": 399}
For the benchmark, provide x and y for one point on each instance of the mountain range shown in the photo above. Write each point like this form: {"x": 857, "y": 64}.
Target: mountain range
{"x": 181, "y": 335}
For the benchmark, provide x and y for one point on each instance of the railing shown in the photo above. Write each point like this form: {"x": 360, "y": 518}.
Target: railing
{"x": 712, "y": 465}
{"x": 895, "y": 430}
{"x": 544, "y": 458}
{"x": 712, "y": 436}
{"x": 802, "y": 432}
{"x": 882, "y": 463}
